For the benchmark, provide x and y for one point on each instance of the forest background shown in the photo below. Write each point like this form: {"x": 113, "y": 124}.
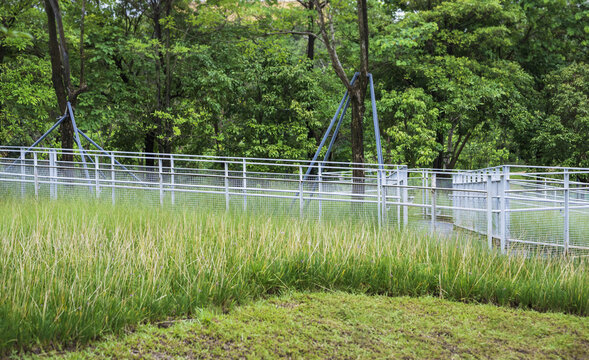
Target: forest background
{"x": 459, "y": 84}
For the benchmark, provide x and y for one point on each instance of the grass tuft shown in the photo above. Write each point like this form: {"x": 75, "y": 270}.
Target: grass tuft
{"x": 71, "y": 273}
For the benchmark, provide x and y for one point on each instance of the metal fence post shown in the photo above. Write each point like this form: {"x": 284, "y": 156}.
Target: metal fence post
{"x": 226, "y": 182}
{"x": 112, "y": 176}
{"x": 384, "y": 196}
{"x": 36, "y": 174}
{"x": 489, "y": 211}
{"x": 161, "y": 181}
{"x": 97, "y": 175}
{"x": 425, "y": 200}
{"x": 566, "y": 211}
{"x": 379, "y": 197}
{"x": 433, "y": 190}
{"x": 503, "y": 213}
{"x": 301, "y": 198}
{"x": 398, "y": 195}
{"x": 244, "y": 175}
{"x": 172, "y": 179}
{"x": 22, "y": 172}
{"x": 405, "y": 197}
{"x": 423, "y": 192}
{"x": 506, "y": 171}
{"x": 52, "y": 175}
{"x": 320, "y": 177}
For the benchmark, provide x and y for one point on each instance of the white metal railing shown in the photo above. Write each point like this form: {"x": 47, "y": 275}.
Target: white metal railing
{"x": 511, "y": 206}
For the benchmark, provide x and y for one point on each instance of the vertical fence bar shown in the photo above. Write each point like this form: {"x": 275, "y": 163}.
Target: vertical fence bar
{"x": 161, "y": 180}
{"x": 244, "y": 176}
{"x": 489, "y": 211}
{"x": 320, "y": 177}
{"x": 36, "y": 175}
{"x": 426, "y": 180}
{"x": 52, "y": 175}
{"x": 379, "y": 197}
{"x": 226, "y": 183}
{"x": 112, "y": 177}
{"x": 97, "y": 175}
{"x": 384, "y": 196}
{"x": 172, "y": 180}
{"x": 423, "y": 192}
{"x": 398, "y": 195}
{"x": 506, "y": 171}
{"x": 301, "y": 198}
{"x": 405, "y": 197}
{"x": 433, "y": 207}
{"x": 566, "y": 211}
{"x": 503, "y": 213}
{"x": 22, "y": 172}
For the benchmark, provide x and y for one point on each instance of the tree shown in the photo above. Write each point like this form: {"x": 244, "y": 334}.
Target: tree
{"x": 561, "y": 133}
{"x": 456, "y": 53}
{"x": 550, "y": 35}
{"x": 60, "y": 68}
{"x": 357, "y": 91}
{"x": 26, "y": 93}
{"x": 408, "y": 127}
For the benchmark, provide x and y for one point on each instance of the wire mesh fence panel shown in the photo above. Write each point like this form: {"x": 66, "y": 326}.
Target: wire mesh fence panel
{"x": 511, "y": 208}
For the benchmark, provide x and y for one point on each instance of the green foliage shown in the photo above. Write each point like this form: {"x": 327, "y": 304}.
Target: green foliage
{"x": 454, "y": 54}
{"x": 409, "y": 126}
{"x": 561, "y": 136}
{"x": 459, "y": 83}
{"x": 25, "y": 96}
{"x": 275, "y": 113}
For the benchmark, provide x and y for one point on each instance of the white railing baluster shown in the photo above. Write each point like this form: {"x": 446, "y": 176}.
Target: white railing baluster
{"x": 112, "y": 176}
{"x": 161, "y": 180}
{"x": 172, "y": 180}
{"x": 226, "y": 178}
{"x": 434, "y": 205}
{"x": 566, "y": 211}
{"x": 36, "y": 174}
{"x": 301, "y": 199}
{"x": 244, "y": 171}
{"x": 489, "y": 211}
{"x": 97, "y": 175}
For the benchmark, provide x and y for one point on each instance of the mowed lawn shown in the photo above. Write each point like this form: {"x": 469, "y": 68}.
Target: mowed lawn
{"x": 345, "y": 326}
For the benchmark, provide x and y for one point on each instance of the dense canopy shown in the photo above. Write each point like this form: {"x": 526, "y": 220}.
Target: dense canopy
{"x": 464, "y": 83}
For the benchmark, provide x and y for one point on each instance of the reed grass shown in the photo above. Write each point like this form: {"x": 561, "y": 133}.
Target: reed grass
{"x": 71, "y": 272}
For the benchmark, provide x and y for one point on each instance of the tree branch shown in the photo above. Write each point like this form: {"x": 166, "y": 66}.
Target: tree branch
{"x": 82, "y": 80}
{"x": 459, "y": 150}
{"x": 293, "y": 32}
{"x": 363, "y": 29}
{"x": 65, "y": 62}
{"x": 330, "y": 45}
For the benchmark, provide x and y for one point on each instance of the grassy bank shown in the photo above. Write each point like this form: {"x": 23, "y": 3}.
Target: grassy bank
{"x": 344, "y": 326}
{"x": 72, "y": 272}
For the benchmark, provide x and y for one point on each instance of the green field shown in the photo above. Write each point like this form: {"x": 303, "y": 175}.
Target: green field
{"x": 346, "y": 326}
{"x": 72, "y": 272}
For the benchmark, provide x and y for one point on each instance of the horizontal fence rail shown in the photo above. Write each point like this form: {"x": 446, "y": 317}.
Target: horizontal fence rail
{"x": 514, "y": 208}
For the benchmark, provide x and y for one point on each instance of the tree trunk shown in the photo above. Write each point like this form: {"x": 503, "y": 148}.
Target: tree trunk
{"x": 439, "y": 160}
{"x": 358, "y": 93}
{"x": 311, "y": 39}
{"x": 357, "y": 135}
{"x": 311, "y": 50}
{"x": 163, "y": 127}
{"x": 59, "y": 83}
{"x": 149, "y": 147}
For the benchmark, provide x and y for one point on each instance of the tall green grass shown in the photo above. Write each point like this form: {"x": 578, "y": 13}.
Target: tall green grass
{"x": 72, "y": 272}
